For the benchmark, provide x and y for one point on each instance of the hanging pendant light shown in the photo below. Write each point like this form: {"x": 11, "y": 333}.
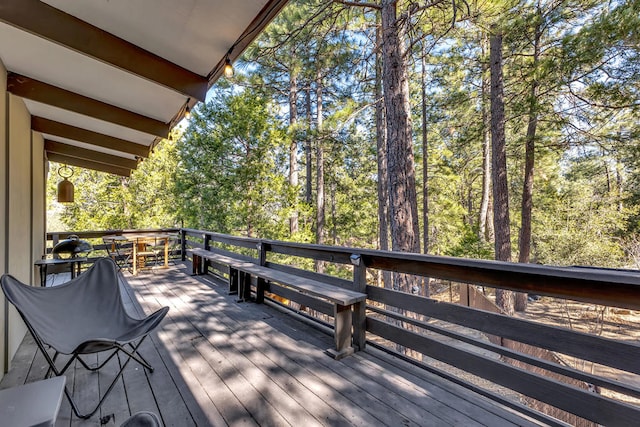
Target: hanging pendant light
{"x": 65, "y": 187}
{"x": 228, "y": 68}
{"x": 186, "y": 113}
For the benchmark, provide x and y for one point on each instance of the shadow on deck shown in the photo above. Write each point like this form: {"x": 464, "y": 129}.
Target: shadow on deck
{"x": 219, "y": 362}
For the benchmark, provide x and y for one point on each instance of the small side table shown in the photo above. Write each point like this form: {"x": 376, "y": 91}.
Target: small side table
{"x": 73, "y": 263}
{"x": 33, "y": 404}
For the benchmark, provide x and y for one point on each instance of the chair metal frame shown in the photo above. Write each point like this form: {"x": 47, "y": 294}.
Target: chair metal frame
{"x": 175, "y": 244}
{"x": 132, "y": 355}
{"x": 121, "y": 253}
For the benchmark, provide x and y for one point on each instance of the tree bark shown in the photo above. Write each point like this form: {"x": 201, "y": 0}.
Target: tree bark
{"x": 426, "y": 291}
{"x": 381, "y": 144}
{"x": 320, "y": 195}
{"x": 504, "y": 298}
{"x": 308, "y": 153}
{"x": 619, "y": 184}
{"x": 293, "y": 148}
{"x": 483, "y": 234}
{"x": 524, "y": 241}
{"x": 402, "y": 183}
{"x": 334, "y": 213}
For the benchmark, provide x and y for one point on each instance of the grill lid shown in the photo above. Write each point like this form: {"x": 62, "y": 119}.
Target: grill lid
{"x": 72, "y": 246}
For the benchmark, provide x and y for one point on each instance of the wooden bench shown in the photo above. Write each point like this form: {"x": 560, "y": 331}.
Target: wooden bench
{"x": 345, "y": 302}
{"x": 239, "y": 282}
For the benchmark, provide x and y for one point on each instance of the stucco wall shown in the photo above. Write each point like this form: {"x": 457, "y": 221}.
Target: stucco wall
{"x": 22, "y": 209}
{"x": 3, "y": 193}
{"x": 19, "y": 230}
{"x": 38, "y": 211}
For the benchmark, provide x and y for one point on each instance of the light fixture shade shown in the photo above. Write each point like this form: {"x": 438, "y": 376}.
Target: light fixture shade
{"x": 65, "y": 191}
{"x": 65, "y": 187}
{"x": 228, "y": 69}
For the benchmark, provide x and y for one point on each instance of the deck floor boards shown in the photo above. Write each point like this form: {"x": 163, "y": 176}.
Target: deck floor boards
{"x": 218, "y": 362}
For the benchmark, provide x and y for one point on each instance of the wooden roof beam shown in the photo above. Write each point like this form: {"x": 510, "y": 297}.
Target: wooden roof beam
{"x": 83, "y": 153}
{"x": 44, "y": 93}
{"x": 66, "y": 30}
{"x": 62, "y": 130}
{"x": 88, "y": 164}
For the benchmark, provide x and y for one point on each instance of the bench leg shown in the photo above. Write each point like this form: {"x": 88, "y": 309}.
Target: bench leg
{"x": 359, "y": 325}
{"x": 260, "y": 285}
{"x": 342, "y": 332}
{"x": 244, "y": 286}
{"x": 247, "y": 287}
{"x": 195, "y": 265}
{"x": 233, "y": 281}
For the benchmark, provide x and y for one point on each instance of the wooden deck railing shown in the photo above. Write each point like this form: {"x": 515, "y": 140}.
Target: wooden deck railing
{"x": 95, "y": 238}
{"x": 421, "y": 329}
{"x": 578, "y": 377}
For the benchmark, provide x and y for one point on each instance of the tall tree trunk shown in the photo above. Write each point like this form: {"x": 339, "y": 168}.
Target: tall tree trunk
{"x": 293, "y": 148}
{"x": 250, "y": 209}
{"x": 320, "y": 199}
{"x": 619, "y": 184}
{"x": 426, "y": 289}
{"x": 405, "y": 233}
{"x": 483, "y": 234}
{"x": 307, "y": 153}
{"x": 504, "y": 298}
{"x": 403, "y": 203}
{"x": 491, "y": 234}
{"x": 334, "y": 213}
{"x": 524, "y": 241}
{"x": 126, "y": 209}
{"x": 381, "y": 143}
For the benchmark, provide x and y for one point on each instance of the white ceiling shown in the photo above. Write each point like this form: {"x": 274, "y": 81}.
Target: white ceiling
{"x": 193, "y": 34}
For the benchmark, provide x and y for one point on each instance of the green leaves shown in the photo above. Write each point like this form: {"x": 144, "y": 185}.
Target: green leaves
{"x": 228, "y": 172}
{"x": 229, "y": 166}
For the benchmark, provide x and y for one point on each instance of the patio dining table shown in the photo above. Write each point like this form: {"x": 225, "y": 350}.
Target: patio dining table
{"x": 140, "y": 243}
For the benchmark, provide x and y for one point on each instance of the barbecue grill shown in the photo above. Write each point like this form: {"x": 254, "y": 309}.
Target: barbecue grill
{"x": 72, "y": 247}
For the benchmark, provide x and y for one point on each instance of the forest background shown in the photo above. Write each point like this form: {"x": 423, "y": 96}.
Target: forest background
{"x": 300, "y": 143}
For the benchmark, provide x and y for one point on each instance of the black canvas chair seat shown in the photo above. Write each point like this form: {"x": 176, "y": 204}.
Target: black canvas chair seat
{"x": 83, "y": 316}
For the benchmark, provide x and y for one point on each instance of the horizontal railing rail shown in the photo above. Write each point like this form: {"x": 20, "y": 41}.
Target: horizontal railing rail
{"x": 95, "y": 238}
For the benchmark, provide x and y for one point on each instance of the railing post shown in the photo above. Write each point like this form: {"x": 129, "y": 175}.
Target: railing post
{"x": 262, "y": 253}
{"x": 262, "y": 260}
{"x": 359, "y": 309}
{"x": 183, "y": 244}
{"x": 207, "y": 246}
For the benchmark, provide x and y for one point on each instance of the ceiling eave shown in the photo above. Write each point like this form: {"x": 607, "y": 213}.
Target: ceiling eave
{"x": 52, "y": 24}
{"x": 95, "y": 109}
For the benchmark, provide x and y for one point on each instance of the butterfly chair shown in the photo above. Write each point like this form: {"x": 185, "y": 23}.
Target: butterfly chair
{"x": 83, "y": 316}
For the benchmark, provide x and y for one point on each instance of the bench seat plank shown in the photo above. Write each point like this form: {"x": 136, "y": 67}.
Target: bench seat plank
{"x": 313, "y": 287}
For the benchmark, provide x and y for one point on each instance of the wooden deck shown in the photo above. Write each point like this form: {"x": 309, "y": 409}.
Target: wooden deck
{"x": 218, "y": 362}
